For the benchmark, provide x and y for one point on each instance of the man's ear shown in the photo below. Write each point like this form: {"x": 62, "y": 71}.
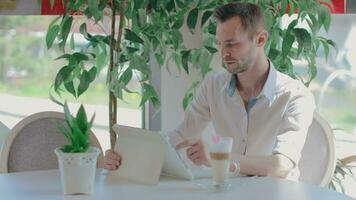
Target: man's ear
{"x": 261, "y": 38}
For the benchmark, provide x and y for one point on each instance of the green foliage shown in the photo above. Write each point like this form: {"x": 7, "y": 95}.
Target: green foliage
{"x": 341, "y": 171}
{"x": 78, "y": 133}
{"x": 151, "y": 29}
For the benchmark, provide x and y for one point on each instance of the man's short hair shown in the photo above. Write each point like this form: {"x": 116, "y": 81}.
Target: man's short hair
{"x": 250, "y": 14}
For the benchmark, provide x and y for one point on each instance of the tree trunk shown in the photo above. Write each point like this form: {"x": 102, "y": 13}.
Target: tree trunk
{"x": 112, "y": 98}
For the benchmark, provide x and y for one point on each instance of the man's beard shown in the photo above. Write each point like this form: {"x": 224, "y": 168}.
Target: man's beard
{"x": 240, "y": 67}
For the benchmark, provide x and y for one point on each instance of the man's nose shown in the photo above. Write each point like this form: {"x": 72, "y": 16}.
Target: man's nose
{"x": 225, "y": 53}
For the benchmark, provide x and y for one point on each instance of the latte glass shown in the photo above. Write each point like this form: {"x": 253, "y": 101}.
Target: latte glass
{"x": 220, "y": 156}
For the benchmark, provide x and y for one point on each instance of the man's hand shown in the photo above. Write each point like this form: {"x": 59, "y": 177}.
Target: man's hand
{"x": 112, "y": 160}
{"x": 197, "y": 151}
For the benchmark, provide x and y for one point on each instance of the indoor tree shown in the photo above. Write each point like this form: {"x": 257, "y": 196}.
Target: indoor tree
{"x": 142, "y": 30}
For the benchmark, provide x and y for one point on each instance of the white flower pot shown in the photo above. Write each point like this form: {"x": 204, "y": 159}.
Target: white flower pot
{"x": 77, "y": 170}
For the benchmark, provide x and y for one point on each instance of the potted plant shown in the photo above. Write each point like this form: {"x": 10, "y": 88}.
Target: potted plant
{"x": 77, "y": 159}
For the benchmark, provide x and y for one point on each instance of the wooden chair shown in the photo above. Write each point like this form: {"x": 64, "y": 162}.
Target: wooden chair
{"x": 4, "y": 131}
{"x": 317, "y": 163}
{"x": 349, "y": 159}
{"x": 31, "y": 143}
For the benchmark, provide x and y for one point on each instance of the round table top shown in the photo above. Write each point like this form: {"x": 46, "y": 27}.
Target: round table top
{"x": 39, "y": 185}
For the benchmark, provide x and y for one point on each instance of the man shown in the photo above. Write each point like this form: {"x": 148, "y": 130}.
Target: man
{"x": 266, "y": 112}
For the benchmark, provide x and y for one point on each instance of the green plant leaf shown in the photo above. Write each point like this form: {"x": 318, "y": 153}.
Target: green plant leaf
{"x": 83, "y": 31}
{"x": 192, "y": 19}
{"x": 287, "y": 43}
{"x": 204, "y": 62}
{"x": 100, "y": 60}
{"x": 180, "y": 4}
{"x": 93, "y": 8}
{"x": 81, "y": 119}
{"x": 62, "y": 75}
{"x": 132, "y": 36}
{"x": 303, "y": 38}
{"x": 66, "y": 56}
{"x": 189, "y": 94}
{"x": 326, "y": 50}
{"x": 79, "y": 57}
{"x": 211, "y": 28}
{"x": 51, "y": 35}
{"x": 312, "y": 71}
{"x": 84, "y": 82}
{"x": 102, "y": 4}
{"x": 92, "y": 73}
{"x": 131, "y": 50}
{"x": 126, "y": 76}
{"x": 185, "y": 58}
{"x": 207, "y": 14}
{"x": 178, "y": 23}
{"x": 177, "y": 38}
{"x": 117, "y": 88}
{"x": 52, "y": 98}
{"x": 68, "y": 115}
{"x": 65, "y": 29}
{"x": 159, "y": 58}
{"x": 72, "y": 43}
{"x": 170, "y": 6}
{"x": 65, "y": 131}
{"x": 91, "y": 122}
{"x": 283, "y": 8}
{"x": 77, "y": 5}
{"x": 292, "y": 7}
{"x": 332, "y": 43}
{"x": 212, "y": 50}
{"x": 273, "y": 53}
{"x": 70, "y": 88}
{"x": 315, "y": 23}
{"x": 325, "y": 17}
{"x": 149, "y": 93}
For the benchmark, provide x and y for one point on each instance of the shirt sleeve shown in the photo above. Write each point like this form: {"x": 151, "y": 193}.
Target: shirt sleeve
{"x": 295, "y": 124}
{"x": 197, "y": 114}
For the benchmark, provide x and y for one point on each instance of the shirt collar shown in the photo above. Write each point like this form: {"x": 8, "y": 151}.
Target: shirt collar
{"x": 269, "y": 89}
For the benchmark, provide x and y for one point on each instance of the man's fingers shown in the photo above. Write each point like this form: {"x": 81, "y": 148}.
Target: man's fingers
{"x": 191, "y": 151}
{"x": 113, "y": 162}
{"x": 195, "y": 156}
{"x": 186, "y": 143}
{"x": 114, "y": 157}
{"x": 110, "y": 167}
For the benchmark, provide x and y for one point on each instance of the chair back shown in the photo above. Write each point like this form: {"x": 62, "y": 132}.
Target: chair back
{"x": 31, "y": 143}
{"x": 4, "y": 131}
{"x": 317, "y": 163}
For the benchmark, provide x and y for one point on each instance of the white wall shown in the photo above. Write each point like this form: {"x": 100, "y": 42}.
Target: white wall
{"x": 174, "y": 85}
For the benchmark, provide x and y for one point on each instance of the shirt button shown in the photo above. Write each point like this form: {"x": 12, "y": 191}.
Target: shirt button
{"x": 244, "y": 141}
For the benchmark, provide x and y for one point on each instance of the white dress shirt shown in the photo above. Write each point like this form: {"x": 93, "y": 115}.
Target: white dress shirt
{"x": 275, "y": 122}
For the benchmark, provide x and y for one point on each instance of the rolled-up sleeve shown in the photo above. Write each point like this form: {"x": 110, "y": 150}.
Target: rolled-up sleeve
{"x": 294, "y": 126}
{"x": 197, "y": 115}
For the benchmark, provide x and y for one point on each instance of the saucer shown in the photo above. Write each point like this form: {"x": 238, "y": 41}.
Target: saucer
{"x": 208, "y": 184}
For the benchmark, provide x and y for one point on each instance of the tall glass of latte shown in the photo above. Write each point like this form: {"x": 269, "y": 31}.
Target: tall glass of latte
{"x": 220, "y": 155}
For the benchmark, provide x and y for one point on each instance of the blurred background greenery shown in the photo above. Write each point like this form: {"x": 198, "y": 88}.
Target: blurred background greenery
{"x": 27, "y": 67}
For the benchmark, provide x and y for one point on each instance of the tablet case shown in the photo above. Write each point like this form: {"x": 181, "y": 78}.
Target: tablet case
{"x": 142, "y": 152}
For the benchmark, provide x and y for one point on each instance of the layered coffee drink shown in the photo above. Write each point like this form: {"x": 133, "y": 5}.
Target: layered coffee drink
{"x": 220, "y": 155}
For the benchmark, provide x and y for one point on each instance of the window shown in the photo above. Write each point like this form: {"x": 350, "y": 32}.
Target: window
{"x": 28, "y": 69}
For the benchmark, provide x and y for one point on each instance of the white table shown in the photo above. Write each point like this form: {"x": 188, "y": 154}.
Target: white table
{"x": 38, "y": 185}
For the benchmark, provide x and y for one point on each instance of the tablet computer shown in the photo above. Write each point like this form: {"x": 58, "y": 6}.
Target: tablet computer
{"x": 173, "y": 164}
